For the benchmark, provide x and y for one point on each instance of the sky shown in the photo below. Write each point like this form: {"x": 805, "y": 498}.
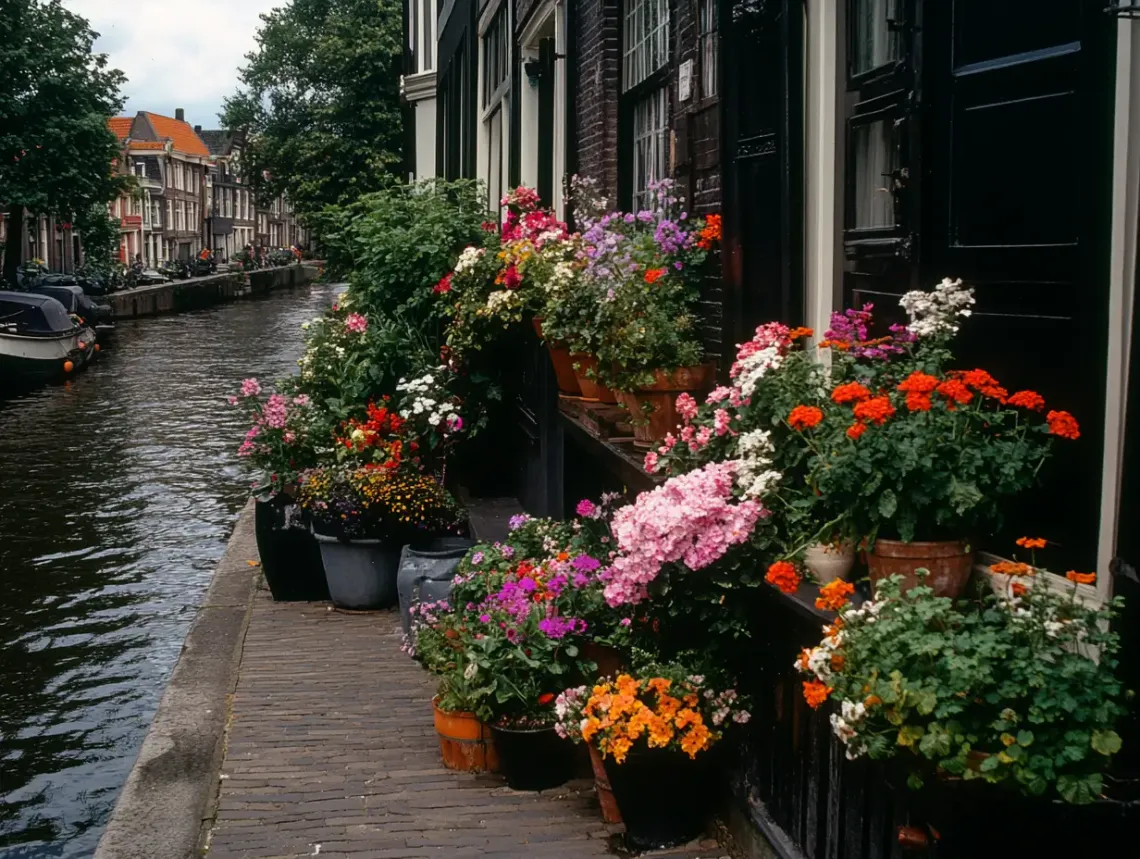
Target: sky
{"x": 176, "y": 53}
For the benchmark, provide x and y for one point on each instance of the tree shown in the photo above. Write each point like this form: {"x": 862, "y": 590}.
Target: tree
{"x": 320, "y": 100}
{"x": 57, "y": 155}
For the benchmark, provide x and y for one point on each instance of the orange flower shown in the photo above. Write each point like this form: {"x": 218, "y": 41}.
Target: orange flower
{"x": 783, "y": 575}
{"x": 1011, "y": 568}
{"x": 872, "y": 701}
{"x": 802, "y": 660}
{"x": 1081, "y": 578}
{"x": 918, "y": 383}
{"x": 804, "y": 417}
{"x": 875, "y": 410}
{"x": 855, "y": 431}
{"x": 851, "y": 392}
{"x": 918, "y": 402}
{"x": 1027, "y": 400}
{"x": 1031, "y": 542}
{"x": 956, "y": 391}
{"x": 1019, "y": 590}
{"x": 837, "y": 662}
{"x": 984, "y": 384}
{"x": 711, "y": 232}
{"x": 654, "y": 274}
{"x": 1063, "y": 424}
{"x": 796, "y": 333}
{"x": 834, "y": 595}
{"x": 563, "y": 556}
{"x": 815, "y": 693}
{"x": 545, "y": 698}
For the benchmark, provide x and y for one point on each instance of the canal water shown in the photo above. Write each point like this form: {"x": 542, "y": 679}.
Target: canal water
{"x": 117, "y": 494}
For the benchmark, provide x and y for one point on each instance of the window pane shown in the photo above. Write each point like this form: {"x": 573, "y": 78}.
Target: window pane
{"x": 874, "y": 44}
{"x": 650, "y": 148}
{"x": 429, "y": 41}
{"x": 707, "y": 19}
{"x": 646, "y": 46}
{"x": 874, "y": 153}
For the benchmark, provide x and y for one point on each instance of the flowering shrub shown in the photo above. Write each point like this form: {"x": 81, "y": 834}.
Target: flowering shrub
{"x": 278, "y": 444}
{"x": 908, "y": 447}
{"x": 1019, "y": 691}
{"x": 666, "y": 709}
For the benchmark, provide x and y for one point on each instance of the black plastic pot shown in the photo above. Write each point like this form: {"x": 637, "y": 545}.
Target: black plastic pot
{"x": 533, "y": 758}
{"x": 290, "y": 557}
{"x": 665, "y": 797}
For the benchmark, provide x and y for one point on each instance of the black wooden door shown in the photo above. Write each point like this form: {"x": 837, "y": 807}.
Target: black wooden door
{"x": 546, "y": 122}
{"x": 1018, "y": 204}
{"x": 762, "y": 122}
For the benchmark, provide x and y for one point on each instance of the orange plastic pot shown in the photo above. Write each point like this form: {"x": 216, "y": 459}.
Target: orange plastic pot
{"x": 950, "y": 563}
{"x": 465, "y": 743}
{"x": 654, "y": 408}
{"x": 561, "y": 361}
{"x": 602, "y": 788}
{"x": 591, "y": 389}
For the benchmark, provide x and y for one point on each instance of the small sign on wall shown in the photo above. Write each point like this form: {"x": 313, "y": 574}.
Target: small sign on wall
{"x": 685, "y": 81}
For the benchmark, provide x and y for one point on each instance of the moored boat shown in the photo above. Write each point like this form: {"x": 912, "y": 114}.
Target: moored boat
{"x": 39, "y": 340}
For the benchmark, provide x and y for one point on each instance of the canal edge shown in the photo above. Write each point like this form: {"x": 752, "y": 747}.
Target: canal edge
{"x": 167, "y": 802}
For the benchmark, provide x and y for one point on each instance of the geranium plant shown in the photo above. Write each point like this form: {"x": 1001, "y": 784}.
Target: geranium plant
{"x": 280, "y": 441}
{"x": 1019, "y": 691}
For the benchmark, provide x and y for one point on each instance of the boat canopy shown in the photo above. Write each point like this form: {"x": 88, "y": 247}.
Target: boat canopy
{"x": 32, "y": 314}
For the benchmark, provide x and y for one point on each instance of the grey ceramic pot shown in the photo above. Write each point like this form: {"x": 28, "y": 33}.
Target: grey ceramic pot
{"x": 361, "y": 574}
{"x": 426, "y": 573}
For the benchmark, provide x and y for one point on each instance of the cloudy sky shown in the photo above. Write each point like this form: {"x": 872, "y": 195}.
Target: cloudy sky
{"x": 176, "y": 54}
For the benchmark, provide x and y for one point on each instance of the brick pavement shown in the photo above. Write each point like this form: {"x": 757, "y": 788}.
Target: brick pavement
{"x": 331, "y": 752}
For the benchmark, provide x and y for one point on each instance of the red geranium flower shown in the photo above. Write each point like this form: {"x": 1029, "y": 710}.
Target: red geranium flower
{"x": 851, "y": 392}
{"x": 876, "y": 410}
{"x": 804, "y": 417}
{"x": 1027, "y": 400}
{"x": 1064, "y": 425}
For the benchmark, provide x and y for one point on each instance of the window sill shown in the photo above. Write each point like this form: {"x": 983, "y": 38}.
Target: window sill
{"x": 605, "y": 432}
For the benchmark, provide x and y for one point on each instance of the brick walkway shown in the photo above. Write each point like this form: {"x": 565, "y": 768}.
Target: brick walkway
{"x": 331, "y": 752}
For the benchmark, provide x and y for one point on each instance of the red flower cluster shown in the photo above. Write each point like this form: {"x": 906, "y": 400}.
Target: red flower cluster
{"x": 834, "y": 595}
{"x": 379, "y": 433}
{"x": 851, "y": 392}
{"x": 783, "y": 575}
{"x": 955, "y": 391}
{"x": 1064, "y": 425}
{"x": 1027, "y": 400}
{"x": 443, "y": 286}
{"x": 654, "y": 274}
{"x": 984, "y": 384}
{"x": 855, "y": 431}
{"x": 877, "y": 410}
{"x": 918, "y": 387}
{"x": 804, "y": 417}
{"x": 711, "y": 232}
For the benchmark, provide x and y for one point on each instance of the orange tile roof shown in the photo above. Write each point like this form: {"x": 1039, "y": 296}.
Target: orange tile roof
{"x": 121, "y": 125}
{"x": 185, "y": 140}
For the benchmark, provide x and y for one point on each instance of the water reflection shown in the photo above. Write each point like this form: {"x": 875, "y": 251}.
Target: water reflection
{"x": 117, "y": 492}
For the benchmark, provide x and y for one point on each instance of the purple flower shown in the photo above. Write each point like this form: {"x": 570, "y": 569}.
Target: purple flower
{"x": 484, "y": 618}
{"x": 508, "y": 551}
{"x": 587, "y": 509}
{"x": 528, "y": 585}
{"x": 678, "y": 265}
{"x": 477, "y": 558}
{"x": 518, "y": 521}
{"x": 580, "y": 580}
{"x": 585, "y": 564}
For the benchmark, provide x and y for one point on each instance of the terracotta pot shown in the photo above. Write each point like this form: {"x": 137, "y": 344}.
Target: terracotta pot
{"x": 950, "y": 563}
{"x": 465, "y": 743}
{"x": 561, "y": 361}
{"x": 591, "y": 389}
{"x": 610, "y": 660}
{"x": 654, "y": 408}
{"x": 828, "y": 563}
{"x": 605, "y": 793}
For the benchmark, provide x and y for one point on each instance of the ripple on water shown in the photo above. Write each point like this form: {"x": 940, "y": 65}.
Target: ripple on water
{"x": 117, "y": 493}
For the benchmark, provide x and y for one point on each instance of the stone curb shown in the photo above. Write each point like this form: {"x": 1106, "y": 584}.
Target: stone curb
{"x": 160, "y": 812}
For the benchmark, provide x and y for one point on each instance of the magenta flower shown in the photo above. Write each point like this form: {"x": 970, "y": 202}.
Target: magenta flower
{"x": 356, "y": 323}
{"x": 587, "y": 509}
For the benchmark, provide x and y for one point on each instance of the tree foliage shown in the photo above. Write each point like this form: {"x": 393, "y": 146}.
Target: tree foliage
{"x": 57, "y": 154}
{"x": 320, "y": 100}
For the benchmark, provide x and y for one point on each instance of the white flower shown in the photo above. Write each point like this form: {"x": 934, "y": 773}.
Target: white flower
{"x": 755, "y": 367}
{"x": 1053, "y": 627}
{"x": 935, "y": 313}
{"x": 471, "y": 671}
{"x": 468, "y": 259}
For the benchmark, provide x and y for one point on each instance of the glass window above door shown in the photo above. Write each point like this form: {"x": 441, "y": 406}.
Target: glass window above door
{"x": 875, "y": 40}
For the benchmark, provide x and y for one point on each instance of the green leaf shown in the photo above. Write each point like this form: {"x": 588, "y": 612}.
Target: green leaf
{"x": 1106, "y": 742}
{"x": 1080, "y": 791}
{"x": 1025, "y": 738}
{"x": 888, "y": 504}
{"x": 914, "y": 781}
{"x": 909, "y": 735}
{"x": 571, "y": 650}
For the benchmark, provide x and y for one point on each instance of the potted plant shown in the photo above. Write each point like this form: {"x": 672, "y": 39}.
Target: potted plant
{"x": 459, "y": 708}
{"x": 919, "y": 457}
{"x": 653, "y": 732}
{"x": 362, "y": 517}
{"x": 1019, "y": 692}
{"x": 647, "y": 268}
{"x": 279, "y": 445}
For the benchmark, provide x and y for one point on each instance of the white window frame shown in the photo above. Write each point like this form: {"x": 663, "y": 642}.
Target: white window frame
{"x": 708, "y": 40}
{"x": 650, "y": 140}
{"x": 495, "y": 105}
{"x": 646, "y": 40}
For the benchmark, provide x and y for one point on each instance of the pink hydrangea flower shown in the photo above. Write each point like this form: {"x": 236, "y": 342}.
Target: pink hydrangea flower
{"x": 692, "y": 519}
{"x": 356, "y": 323}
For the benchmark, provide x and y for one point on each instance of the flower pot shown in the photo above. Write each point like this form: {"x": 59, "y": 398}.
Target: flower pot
{"x": 562, "y": 362}
{"x": 425, "y": 574}
{"x": 828, "y": 563}
{"x": 592, "y": 390}
{"x": 950, "y": 563}
{"x": 464, "y": 742}
{"x": 361, "y": 574}
{"x": 654, "y": 408}
{"x": 533, "y": 758}
{"x": 290, "y": 557}
{"x": 610, "y": 660}
{"x": 664, "y": 796}
{"x": 605, "y": 793}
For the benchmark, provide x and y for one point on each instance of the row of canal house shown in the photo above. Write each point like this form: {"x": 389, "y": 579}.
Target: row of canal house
{"x": 857, "y": 149}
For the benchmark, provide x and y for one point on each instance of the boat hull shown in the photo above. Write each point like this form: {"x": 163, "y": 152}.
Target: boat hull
{"x": 25, "y": 358}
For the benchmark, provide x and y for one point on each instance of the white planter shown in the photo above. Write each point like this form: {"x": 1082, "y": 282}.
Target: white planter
{"x": 828, "y": 563}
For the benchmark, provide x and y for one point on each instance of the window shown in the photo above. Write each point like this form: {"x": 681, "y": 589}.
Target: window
{"x": 428, "y": 58}
{"x": 646, "y": 40}
{"x": 650, "y": 129}
{"x": 496, "y": 60}
{"x": 496, "y": 56}
{"x": 140, "y": 169}
{"x": 707, "y": 22}
{"x": 646, "y": 95}
{"x": 875, "y": 40}
{"x": 170, "y": 214}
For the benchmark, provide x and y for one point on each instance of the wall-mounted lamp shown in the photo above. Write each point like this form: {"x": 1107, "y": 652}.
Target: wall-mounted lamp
{"x": 534, "y": 71}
